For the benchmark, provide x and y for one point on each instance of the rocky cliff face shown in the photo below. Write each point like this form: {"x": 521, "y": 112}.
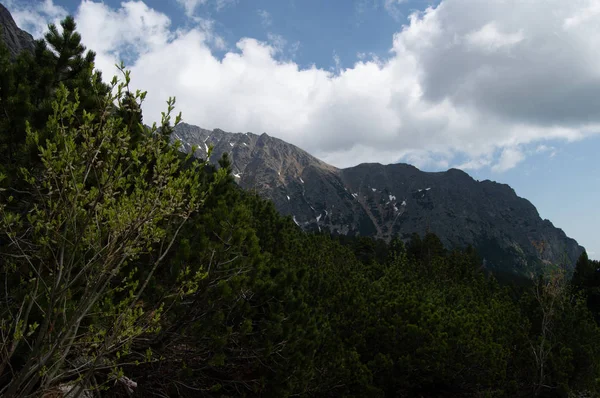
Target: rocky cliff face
{"x": 393, "y": 200}
{"x": 15, "y": 39}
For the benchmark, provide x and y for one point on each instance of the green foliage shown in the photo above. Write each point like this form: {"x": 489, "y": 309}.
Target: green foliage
{"x": 586, "y": 280}
{"x": 92, "y": 208}
{"x": 123, "y": 259}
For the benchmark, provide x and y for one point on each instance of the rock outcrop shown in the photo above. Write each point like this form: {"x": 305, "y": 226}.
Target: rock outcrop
{"x": 16, "y": 40}
{"x": 390, "y": 200}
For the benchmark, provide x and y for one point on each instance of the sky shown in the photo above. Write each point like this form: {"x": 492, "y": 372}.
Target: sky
{"x": 507, "y": 90}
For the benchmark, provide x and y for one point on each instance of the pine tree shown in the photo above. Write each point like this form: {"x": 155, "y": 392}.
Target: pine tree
{"x": 73, "y": 259}
{"x": 584, "y": 272}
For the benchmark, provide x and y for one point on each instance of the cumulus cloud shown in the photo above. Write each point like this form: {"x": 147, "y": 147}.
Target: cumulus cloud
{"x": 468, "y": 83}
{"x": 489, "y": 39}
{"x": 35, "y": 17}
{"x": 122, "y": 34}
{"x": 509, "y": 158}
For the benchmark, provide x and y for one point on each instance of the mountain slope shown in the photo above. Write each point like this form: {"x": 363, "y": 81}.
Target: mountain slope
{"x": 392, "y": 200}
{"x": 376, "y": 200}
{"x": 15, "y": 39}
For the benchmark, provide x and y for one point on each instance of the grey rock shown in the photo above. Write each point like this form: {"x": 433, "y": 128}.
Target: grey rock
{"x": 391, "y": 200}
{"x": 16, "y": 40}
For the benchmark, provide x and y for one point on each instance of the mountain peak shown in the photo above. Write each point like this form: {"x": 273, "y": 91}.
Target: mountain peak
{"x": 384, "y": 201}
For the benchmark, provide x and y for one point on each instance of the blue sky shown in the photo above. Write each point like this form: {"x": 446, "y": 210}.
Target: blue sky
{"x": 504, "y": 89}
{"x": 322, "y": 29}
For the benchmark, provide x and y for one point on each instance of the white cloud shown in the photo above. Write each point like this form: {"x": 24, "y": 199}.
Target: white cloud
{"x": 294, "y": 48}
{"x": 190, "y": 6}
{"x": 393, "y": 8}
{"x": 543, "y": 148}
{"x": 509, "y": 158}
{"x": 220, "y": 43}
{"x": 474, "y": 164}
{"x": 470, "y": 83}
{"x": 276, "y": 41}
{"x": 265, "y": 18}
{"x": 130, "y": 31}
{"x": 222, "y": 4}
{"x": 34, "y": 18}
{"x": 583, "y": 14}
{"x": 489, "y": 39}
{"x": 337, "y": 62}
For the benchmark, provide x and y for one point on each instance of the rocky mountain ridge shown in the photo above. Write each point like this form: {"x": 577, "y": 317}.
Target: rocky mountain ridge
{"x": 383, "y": 201}
{"x": 15, "y": 39}
{"x": 373, "y": 199}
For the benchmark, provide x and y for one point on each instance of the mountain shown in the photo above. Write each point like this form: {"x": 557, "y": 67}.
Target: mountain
{"x": 373, "y": 199}
{"x": 15, "y": 39}
{"x": 384, "y": 201}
